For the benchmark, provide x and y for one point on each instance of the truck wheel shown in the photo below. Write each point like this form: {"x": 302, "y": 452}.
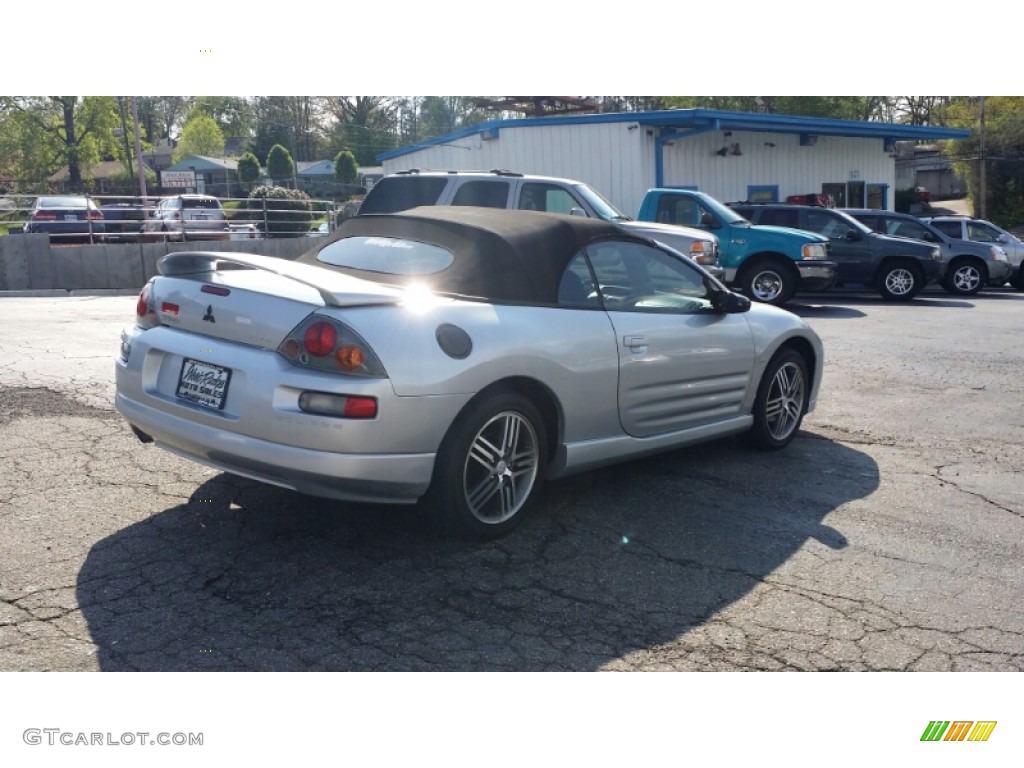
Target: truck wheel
{"x": 965, "y": 277}
{"x": 768, "y": 281}
{"x": 899, "y": 280}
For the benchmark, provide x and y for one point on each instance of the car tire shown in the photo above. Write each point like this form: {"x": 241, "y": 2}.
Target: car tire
{"x": 781, "y": 402}
{"x": 489, "y": 467}
{"x": 768, "y": 281}
{"x": 965, "y": 277}
{"x": 899, "y": 280}
{"x": 1018, "y": 279}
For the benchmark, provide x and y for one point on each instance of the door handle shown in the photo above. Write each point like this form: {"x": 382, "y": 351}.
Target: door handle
{"x": 635, "y": 343}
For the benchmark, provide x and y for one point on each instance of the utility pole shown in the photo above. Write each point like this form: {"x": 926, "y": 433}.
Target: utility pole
{"x": 124, "y": 136}
{"x": 138, "y": 153}
{"x": 981, "y": 171}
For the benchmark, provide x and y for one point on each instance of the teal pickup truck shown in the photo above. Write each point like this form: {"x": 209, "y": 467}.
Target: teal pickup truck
{"x": 769, "y": 264}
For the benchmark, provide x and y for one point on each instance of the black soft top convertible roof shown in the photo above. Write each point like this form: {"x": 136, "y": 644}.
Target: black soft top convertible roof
{"x": 500, "y": 255}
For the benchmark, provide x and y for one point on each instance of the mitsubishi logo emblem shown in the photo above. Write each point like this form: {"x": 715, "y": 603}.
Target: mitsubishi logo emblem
{"x": 208, "y": 317}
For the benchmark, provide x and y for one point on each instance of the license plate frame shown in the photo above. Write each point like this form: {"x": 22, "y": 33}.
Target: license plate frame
{"x": 206, "y": 385}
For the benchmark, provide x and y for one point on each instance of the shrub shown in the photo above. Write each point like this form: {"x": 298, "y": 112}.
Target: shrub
{"x": 345, "y": 167}
{"x": 248, "y": 168}
{"x": 279, "y": 163}
{"x": 279, "y": 212}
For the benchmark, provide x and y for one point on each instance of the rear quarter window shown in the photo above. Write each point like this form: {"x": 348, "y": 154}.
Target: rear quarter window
{"x": 400, "y": 193}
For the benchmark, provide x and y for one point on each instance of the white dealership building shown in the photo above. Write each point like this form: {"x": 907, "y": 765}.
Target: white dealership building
{"x": 730, "y": 155}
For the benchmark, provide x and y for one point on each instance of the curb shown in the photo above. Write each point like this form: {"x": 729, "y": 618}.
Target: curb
{"x": 64, "y": 293}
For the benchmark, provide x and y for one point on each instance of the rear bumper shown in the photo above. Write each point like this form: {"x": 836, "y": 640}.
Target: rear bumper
{"x": 378, "y": 478}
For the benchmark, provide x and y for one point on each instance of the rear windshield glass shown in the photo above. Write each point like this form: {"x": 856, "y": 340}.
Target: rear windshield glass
{"x": 402, "y": 193}
{"x": 386, "y": 255}
{"x": 62, "y": 202}
{"x": 201, "y": 202}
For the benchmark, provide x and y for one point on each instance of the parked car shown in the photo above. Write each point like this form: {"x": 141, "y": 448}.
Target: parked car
{"x": 321, "y": 230}
{"x": 970, "y": 266}
{"x": 982, "y": 231}
{"x": 189, "y": 217}
{"x": 122, "y": 222}
{"x": 768, "y": 264}
{"x": 894, "y": 266}
{"x": 461, "y": 356}
{"x": 508, "y": 189}
{"x": 66, "y": 219}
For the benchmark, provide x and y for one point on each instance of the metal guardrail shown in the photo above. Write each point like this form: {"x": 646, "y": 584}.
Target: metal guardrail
{"x": 133, "y": 220}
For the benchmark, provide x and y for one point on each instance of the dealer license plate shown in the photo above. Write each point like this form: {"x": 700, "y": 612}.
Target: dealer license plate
{"x": 204, "y": 384}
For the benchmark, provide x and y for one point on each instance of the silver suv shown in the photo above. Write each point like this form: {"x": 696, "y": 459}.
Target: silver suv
{"x": 970, "y": 266}
{"x": 506, "y": 189}
{"x": 189, "y": 217}
{"x": 981, "y": 231}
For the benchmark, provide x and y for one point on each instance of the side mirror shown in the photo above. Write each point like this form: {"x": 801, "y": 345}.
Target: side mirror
{"x": 578, "y": 212}
{"x": 853, "y": 235}
{"x": 709, "y": 221}
{"x": 729, "y": 303}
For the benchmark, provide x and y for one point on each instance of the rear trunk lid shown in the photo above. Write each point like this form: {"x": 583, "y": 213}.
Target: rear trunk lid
{"x": 213, "y": 294}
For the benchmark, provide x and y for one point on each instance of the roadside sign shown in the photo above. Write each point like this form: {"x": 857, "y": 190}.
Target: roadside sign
{"x": 178, "y": 178}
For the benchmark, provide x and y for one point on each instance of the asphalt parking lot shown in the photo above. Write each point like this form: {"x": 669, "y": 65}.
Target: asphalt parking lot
{"x": 888, "y": 536}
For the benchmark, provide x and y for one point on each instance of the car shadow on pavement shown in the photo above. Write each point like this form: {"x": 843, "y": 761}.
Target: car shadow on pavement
{"x": 848, "y": 300}
{"x": 610, "y": 565}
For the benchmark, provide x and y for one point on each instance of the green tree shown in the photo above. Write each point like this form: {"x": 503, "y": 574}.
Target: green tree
{"x": 346, "y": 169}
{"x": 200, "y": 136}
{"x": 248, "y": 168}
{"x": 48, "y": 133}
{"x": 279, "y": 163}
{"x": 1003, "y": 155}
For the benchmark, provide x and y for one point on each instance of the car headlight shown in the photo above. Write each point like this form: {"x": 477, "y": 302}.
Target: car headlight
{"x": 936, "y": 254}
{"x": 703, "y": 252}
{"x": 998, "y": 254}
{"x": 814, "y": 251}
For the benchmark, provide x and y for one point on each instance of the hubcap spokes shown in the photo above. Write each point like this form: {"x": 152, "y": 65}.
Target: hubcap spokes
{"x": 899, "y": 282}
{"x": 966, "y": 279}
{"x": 501, "y": 468}
{"x": 785, "y": 401}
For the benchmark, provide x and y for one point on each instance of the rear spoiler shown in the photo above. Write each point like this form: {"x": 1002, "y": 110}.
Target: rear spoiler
{"x": 335, "y": 289}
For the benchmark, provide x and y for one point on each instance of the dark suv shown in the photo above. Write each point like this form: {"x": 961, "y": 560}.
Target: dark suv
{"x": 896, "y": 267}
{"x": 970, "y": 266}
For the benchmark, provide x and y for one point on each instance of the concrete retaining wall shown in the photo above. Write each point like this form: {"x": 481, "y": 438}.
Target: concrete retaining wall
{"x": 29, "y": 262}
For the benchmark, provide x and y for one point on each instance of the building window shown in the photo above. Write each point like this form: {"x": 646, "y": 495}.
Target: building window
{"x": 763, "y": 193}
{"x": 878, "y": 197}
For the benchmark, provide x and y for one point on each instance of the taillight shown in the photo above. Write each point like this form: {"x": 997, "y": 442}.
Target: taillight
{"x": 94, "y": 215}
{"x": 325, "y": 344}
{"x": 319, "y": 339}
{"x": 44, "y": 216}
{"x": 145, "y": 313}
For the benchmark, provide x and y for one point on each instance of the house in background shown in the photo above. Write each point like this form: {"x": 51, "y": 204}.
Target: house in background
{"x": 100, "y": 181}
{"x": 730, "y": 155}
{"x": 199, "y": 174}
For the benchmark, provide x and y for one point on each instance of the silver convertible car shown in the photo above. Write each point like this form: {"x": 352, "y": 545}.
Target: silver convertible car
{"x": 455, "y": 356}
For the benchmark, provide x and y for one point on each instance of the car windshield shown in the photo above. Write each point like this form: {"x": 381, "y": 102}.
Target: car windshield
{"x": 723, "y": 213}
{"x": 602, "y": 207}
{"x": 386, "y": 255}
